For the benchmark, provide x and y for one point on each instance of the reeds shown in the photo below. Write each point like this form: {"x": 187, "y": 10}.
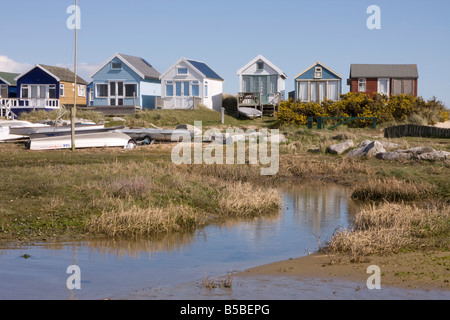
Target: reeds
{"x": 138, "y": 222}
{"x": 156, "y": 200}
{"x": 392, "y": 189}
{"x": 389, "y": 228}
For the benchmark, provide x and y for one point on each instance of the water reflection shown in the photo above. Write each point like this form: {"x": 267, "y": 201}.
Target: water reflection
{"x": 116, "y": 268}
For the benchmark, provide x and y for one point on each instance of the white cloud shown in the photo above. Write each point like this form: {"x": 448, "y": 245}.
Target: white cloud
{"x": 9, "y": 65}
{"x": 84, "y": 70}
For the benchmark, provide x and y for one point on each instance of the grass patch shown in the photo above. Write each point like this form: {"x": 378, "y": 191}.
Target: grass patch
{"x": 392, "y": 228}
{"x": 393, "y": 190}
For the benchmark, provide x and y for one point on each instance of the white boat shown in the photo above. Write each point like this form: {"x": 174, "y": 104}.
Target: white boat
{"x": 20, "y": 124}
{"x": 51, "y": 133}
{"x": 148, "y": 136}
{"x": 6, "y": 136}
{"x": 87, "y": 140}
{"x": 250, "y": 112}
{"x": 49, "y": 129}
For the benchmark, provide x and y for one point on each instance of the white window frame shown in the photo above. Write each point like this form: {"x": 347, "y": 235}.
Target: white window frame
{"x": 82, "y": 90}
{"x": 388, "y": 87}
{"x": 205, "y": 89}
{"x": 62, "y": 90}
{"x": 125, "y": 89}
{"x": 258, "y": 68}
{"x": 97, "y": 91}
{"x": 48, "y": 90}
{"x": 195, "y": 83}
{"x": 182, "y": 74}
{"x": 362, "y": 81}
{"x": 22, "y": 87}
{"x": 112, "y": 65}
{"x": 318, "y": 73}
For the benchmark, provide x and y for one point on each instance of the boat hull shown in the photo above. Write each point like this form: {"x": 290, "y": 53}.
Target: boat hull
{"x": 159, "y": 135}
{"x": 82, "y": 141}
{"x": 48, "y": 129}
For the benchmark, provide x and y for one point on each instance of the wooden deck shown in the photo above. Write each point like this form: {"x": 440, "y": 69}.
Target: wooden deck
{"x": 254, "y": 100}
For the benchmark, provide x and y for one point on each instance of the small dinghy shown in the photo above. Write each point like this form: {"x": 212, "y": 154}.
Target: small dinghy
{"x": 250, "y": 112}
{"x": 82, "y": 141}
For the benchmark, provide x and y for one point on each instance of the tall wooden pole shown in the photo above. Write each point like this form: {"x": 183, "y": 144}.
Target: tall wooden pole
{"x": 74, "y": 108}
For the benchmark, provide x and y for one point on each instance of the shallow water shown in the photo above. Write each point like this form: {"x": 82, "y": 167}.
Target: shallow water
{"x": 173, "y": 267}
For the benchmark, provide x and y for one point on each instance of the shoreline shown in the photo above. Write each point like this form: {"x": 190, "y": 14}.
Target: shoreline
{"x": 427, "y": 271}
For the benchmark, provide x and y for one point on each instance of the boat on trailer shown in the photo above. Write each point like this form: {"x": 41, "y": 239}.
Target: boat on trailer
{"x": 82, "y": 141}
{"x": 250, "y": 112}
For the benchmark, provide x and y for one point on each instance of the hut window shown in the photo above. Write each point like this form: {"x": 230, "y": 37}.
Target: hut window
{"x": 361, "y": 85}
{"x": 116, "y": 66}
{"x": 102, "y": 91}
{"x": 62, "y": 90}
{"x": 182, "y": 71}
{"x": 195, "y": 89}
{"x": 24, "y": 91}
{"x": 130, "y": 90}
{"x": 81, "y": 90}
{"x": 206, "y": 89}
{"x": 318, "y": 73}
{"x": 260, "y": 65}
{"x": 52, "y": 91}
{"x": 169, "y": 89}
{"x": 303, "y": 91}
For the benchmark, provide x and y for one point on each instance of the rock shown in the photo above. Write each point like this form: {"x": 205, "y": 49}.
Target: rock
{"x": 435, "y": 155}
{"x": 356, "y": 153}
{"x": 395, "y": 155}
{"x": 374, "y": 148}
{"x": 340, "y": 148}
{"x": 118, "y": 119}
{"x": 315, "y": 150}
{"x": 367, "y": 149}
{"x": 365, "y": 143}
{"x": 420, "y": 150}
{"x": 389, "y": 146}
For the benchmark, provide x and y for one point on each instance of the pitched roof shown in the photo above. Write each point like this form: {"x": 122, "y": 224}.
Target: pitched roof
{"x": 197, "y": 66}
{"x": 260, "y": 57}
{"x": 384, "y": 71}
{"x": 139, "y": 65}
{"x": 64, "y": 74}
{"x": 9, "y": 78}
{"x": 205, "y": 69}
{"x": 142, "y": 66}
{"x": 321, "y": 64}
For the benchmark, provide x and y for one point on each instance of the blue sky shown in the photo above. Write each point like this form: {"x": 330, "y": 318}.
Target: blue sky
{"x": 293, "y": 34}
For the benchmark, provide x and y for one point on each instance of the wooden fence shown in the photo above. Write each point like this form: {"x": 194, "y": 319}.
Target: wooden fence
{"x": 414, "y": 130}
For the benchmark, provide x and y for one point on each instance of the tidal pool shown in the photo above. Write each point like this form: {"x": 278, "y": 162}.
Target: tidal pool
{"x": 171, "y": 268}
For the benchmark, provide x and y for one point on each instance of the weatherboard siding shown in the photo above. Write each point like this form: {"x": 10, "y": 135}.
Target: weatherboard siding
{"x": 146, "y": 88}
{"x": 37, "y": 76}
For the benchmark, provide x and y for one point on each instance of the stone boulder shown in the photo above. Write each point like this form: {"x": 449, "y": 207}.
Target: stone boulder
{"x": 434, "y": 156}
{"x": 340, "y": 148}
{"x": 394, "y": 155}
{"x": 367, "y": 149}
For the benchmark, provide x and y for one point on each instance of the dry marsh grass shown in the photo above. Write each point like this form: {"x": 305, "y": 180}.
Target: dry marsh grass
{"x": 392, "y": 189}
{"x": 138, "y": 222}
{"x": 156, "y": 200}
{"x": 390, "y": 228}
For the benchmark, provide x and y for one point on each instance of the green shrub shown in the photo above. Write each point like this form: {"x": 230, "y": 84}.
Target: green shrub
{"x": 400, "y": 108}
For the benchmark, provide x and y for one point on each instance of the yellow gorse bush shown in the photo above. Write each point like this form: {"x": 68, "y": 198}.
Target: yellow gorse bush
{"x": 396, "y": 108}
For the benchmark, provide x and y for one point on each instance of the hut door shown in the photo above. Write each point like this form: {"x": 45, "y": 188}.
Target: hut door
{"x": 116, "y": 93}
